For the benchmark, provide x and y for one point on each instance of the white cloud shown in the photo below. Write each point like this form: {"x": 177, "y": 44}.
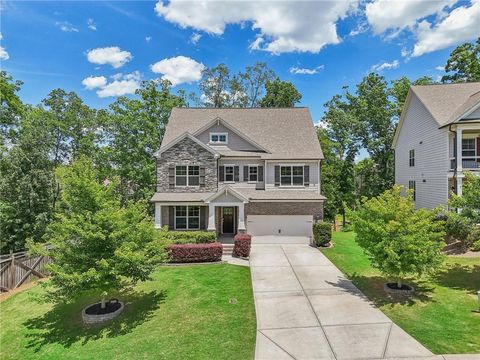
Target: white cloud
{"x": 91, "y": 25}
{"x": 195, "y": 38}
{"x": 385, "y": 66}
{"x": 109, "y": 55}
{"x": 148, "y": 38}
{"x": 3, "y": 53}
{"x": 66, "y": 26}
{"x": 405, "y": 52}
{"x": 305, "y": 71}
{"x": 121, "y": 84}
{"x": 180, "y": 69}
{"x": 462, "y": 24}
{"x": 397, "y": 15}
{"x": 283, "y": 26}
{"x": 93, "y": 82}
{"x": 440, "y": 68}
{"x": 360, "y": 29}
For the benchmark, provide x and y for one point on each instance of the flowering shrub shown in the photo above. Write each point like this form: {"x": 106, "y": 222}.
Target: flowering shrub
{"x": 188, "y": 253}
{"x": 242, "y": 245}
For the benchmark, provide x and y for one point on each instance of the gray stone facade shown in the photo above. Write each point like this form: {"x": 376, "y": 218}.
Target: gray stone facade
{"x": 187, "y": 152}
{"x": 285, "y": 208}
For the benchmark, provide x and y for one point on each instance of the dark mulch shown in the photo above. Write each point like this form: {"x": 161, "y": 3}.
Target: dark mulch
{"x": 96, "y": 309}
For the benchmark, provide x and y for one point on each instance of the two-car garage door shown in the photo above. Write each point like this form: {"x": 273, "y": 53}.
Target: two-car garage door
{"x": 280, "y": 225}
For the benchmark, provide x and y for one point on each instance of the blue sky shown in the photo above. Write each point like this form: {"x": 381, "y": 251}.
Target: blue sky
{"x": 49, "y": 44}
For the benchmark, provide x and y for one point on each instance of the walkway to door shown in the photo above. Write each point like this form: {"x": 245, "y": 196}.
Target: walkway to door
{"x": 307, "y": 309}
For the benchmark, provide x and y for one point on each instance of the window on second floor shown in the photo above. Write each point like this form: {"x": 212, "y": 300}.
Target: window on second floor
{"x": 413, "y": 186}
{"x": 187, "y": 175}
{"x": 291, "y": 175}
{"x": 411, "y": 158}
{"x": 218, "y": 138}
{"x": 252, "y": 173}
{"x": 469, "y": 147}
{"x": 229, "y": 173}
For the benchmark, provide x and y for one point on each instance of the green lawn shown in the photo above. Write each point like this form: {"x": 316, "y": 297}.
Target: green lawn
{"x": 442, "y": 314}
{"x": 183, "y": 313}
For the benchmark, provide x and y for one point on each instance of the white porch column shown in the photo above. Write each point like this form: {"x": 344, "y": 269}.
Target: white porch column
{"x": 459, "y": 150}
{"x": 158, "y": 216}
{"x": 459, "y": 185}
{"x": 211, "y": 217}
{"x": 241, "y": 217}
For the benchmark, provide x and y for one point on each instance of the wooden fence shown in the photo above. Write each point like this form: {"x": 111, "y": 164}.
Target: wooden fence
{"x": 19, "y": 268}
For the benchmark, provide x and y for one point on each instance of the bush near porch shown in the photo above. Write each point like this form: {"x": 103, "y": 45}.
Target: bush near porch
{"x": 191, "y": 253}
{"x": 242, "y": 243}
{"x": 187, "y": 237}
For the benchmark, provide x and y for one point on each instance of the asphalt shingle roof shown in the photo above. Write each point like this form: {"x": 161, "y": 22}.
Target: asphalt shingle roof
{"x": 447, "y": 102}
{"x": 287, "y": 133}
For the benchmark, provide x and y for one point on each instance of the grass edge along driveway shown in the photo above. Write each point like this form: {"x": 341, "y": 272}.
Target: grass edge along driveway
{"x": 184, "y": 312}
{"x": 442, "y": 314}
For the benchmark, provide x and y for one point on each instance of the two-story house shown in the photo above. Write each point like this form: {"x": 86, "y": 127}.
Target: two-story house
{"x": 438, "y": 140}
{"x": 239, "y": 170}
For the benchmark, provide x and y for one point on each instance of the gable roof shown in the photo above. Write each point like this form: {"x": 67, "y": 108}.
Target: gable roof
{"x": 179, "y": 138}
{"x": 287, "y": 133}
{"x": 448, "y": 102}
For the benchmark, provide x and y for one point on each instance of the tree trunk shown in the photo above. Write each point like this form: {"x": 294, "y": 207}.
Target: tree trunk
{"x": 102, "y": 304}
{"x": 399, "y": 283}
{"x": 344, "y": 218}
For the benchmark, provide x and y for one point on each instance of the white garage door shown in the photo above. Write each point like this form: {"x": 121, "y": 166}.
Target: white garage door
{"x": 280, "y": 225}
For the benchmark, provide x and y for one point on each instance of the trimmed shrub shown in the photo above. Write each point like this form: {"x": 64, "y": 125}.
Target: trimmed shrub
{"x": 457, "y": 226}
{"x": 190, "y": 253}
{"x": 188, "y": 237}
{"x": 242, "y": 245}
{"x": 322, "y": 233}
{"x": 473, "y": 239}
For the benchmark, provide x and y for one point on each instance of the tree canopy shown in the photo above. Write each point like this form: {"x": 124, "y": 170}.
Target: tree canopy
{"x": 463, "y": 65}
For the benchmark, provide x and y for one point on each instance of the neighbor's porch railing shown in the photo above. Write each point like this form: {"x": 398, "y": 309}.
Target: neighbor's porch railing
{"x": 468, "y": 163}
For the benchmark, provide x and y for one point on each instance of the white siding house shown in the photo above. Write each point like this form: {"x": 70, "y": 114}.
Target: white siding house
{"x": 434, "y": 120}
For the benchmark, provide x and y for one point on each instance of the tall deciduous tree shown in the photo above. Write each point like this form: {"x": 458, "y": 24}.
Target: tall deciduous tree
{"x": 398, "y": 239}
{"x": 215, "y": 86}
{"x": 11, "y": 108}
{"x": 280, "y": 94}
{"x": 133, "y": 132}
{"x": 253, "y": 82}
{"x": 463, "y": 65}
{"x": 26, "y": 184}
{"x": 399, "y": 91}
{"x": 96, "y": 244}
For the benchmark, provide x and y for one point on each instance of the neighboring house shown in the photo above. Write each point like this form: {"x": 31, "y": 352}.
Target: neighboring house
{"x": 438, "y": 140}
{"x": 235, "y": 170}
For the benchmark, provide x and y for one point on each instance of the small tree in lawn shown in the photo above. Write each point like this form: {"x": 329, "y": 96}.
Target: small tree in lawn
{"x": 398, "y": 239}
{"x": 95, "y": 243}
{"x": 469, "y": 202}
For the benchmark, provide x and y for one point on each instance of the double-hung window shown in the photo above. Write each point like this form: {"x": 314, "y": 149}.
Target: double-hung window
{"x": 411, "y": 158}
{"x": 187, "y": 217}
{"x": 252, "y": 173}
{"x": 413, "y": 186}
{"x": 291, "y": 175}
{"x": 468, "y": 147}
{"x": 218, "y": 138}
{"x": 229, "y": 173}
{"x": 187, "y": 175}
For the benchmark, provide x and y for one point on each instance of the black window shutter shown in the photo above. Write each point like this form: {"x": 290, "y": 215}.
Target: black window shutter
{"x": 306, "y": 175}
{"x": 203, "y": 215}
{"x": 277, "y": 175}
{"x": 171, "y": 217}
{"x": 171, "y": 176}
{"x": 236, "y": 173}
{"x": 221, "y": 173}
{"x": 245, "y": 173}
{"x": 202, "y": 176}
{"x": 260, "y": 173}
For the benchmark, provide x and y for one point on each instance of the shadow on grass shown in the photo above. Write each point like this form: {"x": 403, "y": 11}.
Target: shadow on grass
{"x": 459, "y": 277}
{"x": 63, "y": 323}
{"x": 372, "y": 287}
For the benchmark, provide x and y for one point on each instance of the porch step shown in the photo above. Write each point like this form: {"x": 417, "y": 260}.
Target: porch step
{"x": 227, "y": 249}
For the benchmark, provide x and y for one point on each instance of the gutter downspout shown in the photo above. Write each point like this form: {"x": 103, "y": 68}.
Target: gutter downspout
{"x": 454, "y": 155}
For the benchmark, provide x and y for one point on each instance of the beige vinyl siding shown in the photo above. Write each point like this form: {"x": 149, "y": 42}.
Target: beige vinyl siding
{"x": 430, "y": 173}
{"x": 270, "y": 174}
{"x": 241, "y": 164}
{"x": 235, "y": 142}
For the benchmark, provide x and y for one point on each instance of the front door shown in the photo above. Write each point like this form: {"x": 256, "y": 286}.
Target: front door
{"x": 228, "y": 217}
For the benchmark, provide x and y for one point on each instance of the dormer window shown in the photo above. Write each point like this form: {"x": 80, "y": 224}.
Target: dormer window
{"x": 218, "y": 138}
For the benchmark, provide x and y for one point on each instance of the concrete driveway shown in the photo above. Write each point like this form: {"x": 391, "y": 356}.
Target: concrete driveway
{"x": 307, "y": 309}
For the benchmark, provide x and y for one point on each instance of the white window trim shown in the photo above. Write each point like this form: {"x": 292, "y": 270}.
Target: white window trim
{"x": 186, "y": 217}
{"x": 471, "y": 137}
{"x": 218, "y": 134}
{"x": 187, "y": 185}
{"x": 225, "y": 174}
{"x": 411, "y": 158}
{"x": 248, "y": 175}
{"x": 292, "y": 185}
